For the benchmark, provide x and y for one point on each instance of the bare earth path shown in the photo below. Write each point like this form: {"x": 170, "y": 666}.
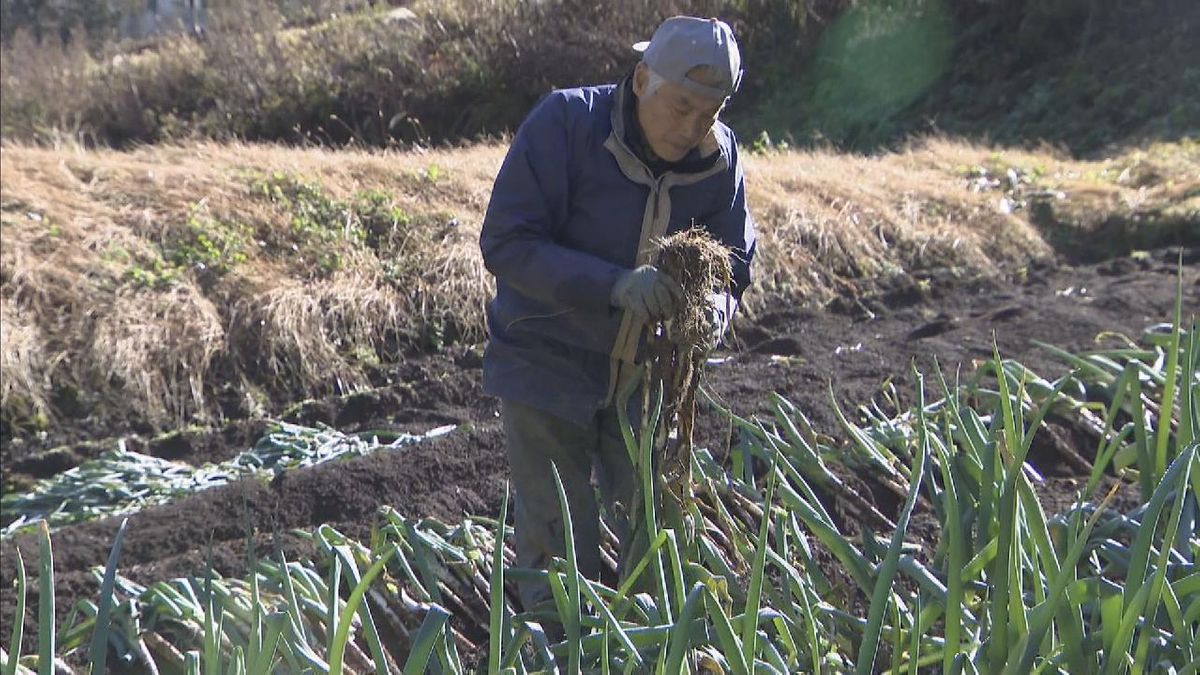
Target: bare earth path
{"x": 855, "y": 344}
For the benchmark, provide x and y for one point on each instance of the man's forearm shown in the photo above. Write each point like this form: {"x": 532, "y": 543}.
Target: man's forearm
{"x": 550, "y": 272}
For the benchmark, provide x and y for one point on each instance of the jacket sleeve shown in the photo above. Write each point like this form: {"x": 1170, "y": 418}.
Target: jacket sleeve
{"x": 733, "y": 225}
{"x": 529, "y": 204}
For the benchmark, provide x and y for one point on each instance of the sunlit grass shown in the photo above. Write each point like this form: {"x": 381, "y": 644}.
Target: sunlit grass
{"x": 160, "y": 263}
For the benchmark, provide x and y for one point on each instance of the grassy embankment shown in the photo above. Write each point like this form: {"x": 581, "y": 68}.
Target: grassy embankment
{"x": 175, "y": 284}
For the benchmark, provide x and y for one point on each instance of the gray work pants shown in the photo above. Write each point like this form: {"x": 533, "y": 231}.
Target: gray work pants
{"x": 535, "y": 440}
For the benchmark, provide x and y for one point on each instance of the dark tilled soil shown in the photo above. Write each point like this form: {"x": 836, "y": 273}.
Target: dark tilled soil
{"x": 428, "y": 391}
{"x": 851, "y": 348}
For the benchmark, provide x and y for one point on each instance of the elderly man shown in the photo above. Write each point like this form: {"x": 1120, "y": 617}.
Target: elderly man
{"x": 594, "y": 178}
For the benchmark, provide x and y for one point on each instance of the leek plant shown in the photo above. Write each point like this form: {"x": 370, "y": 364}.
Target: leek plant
{"x": 122, "y": 482}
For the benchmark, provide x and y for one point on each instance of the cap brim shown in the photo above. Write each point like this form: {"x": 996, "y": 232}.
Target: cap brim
{"x": 641, "y": 46}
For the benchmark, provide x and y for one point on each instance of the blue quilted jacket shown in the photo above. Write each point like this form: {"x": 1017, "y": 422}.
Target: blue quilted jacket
{"x": 572, "y": 207}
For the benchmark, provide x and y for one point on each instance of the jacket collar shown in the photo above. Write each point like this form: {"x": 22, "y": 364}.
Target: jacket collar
{"x": 627, "y": 134}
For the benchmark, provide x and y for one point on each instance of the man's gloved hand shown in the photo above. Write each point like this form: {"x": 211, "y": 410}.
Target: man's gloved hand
{"x": 720, "y": 309}
{"x": 647, "y": 292}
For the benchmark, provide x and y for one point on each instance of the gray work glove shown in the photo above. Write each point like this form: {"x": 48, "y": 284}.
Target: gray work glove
{"x": 647, "y": 292}
{"x": 720, "y": 311}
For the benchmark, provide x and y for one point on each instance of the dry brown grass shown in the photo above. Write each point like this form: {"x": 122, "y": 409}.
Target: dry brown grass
{"x": 299, "y": 333}
{"x": 153, "y": 351}
{"x": 1141, "y": 198}
{"x": 23, "y": 364}
{"x": 82, "y": 231}
{"x": 456, "y": 69}
{"x": 97, "y": 299}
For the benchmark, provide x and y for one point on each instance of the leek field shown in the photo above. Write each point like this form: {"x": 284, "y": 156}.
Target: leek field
{"x": 772, "y": 560}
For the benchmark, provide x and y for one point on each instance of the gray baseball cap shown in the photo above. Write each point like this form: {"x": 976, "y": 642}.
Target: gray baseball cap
{"x": 682, "y": 43}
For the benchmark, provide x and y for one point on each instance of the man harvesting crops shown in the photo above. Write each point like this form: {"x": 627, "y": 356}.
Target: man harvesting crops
{"x": 594, "y": 179}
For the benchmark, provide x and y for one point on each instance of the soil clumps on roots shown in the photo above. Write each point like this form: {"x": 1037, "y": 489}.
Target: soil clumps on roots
{"x": 701, "y": 267}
